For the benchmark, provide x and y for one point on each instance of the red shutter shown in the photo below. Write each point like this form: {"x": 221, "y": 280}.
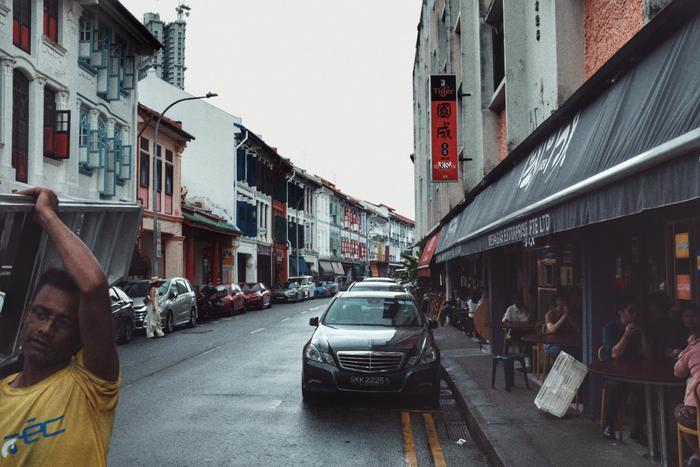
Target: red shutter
{"x": 25, "y": 38}
{"x": 16, "y": 39}
{"x": 62, "y": 135}
{"x": 53, "y": 29}
{"x": 49, "y": 143}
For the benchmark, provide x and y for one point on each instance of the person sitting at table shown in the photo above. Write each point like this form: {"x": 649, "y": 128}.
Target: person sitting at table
{"x": 516, "y": 313}
{"x": 624, "y": 340}
{"x": 558, "y": 320}
{"x": 473, "y": 301}
{"x": 688, "y": 366}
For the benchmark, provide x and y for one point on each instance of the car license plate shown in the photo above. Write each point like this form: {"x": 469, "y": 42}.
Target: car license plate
{"x": 370, "y": 380}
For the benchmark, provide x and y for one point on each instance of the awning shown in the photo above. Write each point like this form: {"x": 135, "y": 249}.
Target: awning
{"x": 325, "y": 267}
{"x": 200, "y": 221}
{"x": 427, "y": 255}
{"x": 303, "y": 267}
{"x": 338, "y": 268}
{"x": 633, "y": 148}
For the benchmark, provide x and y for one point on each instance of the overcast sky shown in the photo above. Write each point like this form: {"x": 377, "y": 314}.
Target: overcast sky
{"x": 327, "y": 82}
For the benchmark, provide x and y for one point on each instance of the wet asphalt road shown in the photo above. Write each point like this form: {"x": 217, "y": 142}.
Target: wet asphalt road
{"x": 228, "y": 393}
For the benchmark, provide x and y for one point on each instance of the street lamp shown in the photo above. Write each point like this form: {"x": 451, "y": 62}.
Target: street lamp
{"x": 154, "y": 188}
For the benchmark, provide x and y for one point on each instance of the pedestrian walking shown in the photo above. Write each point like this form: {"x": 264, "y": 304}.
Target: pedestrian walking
{"x": 154, "y": 327}
{"x": 59, "y": 410}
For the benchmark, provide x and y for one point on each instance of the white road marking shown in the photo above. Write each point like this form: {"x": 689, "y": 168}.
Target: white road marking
{"x": 274, "y": 404}
{"x": 285, "y": 319}
{"x": 258, "y": 330}
{"x": 315, "y": 308}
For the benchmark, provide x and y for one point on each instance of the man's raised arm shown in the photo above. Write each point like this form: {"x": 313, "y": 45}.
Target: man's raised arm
{"x": 94, "y": 311}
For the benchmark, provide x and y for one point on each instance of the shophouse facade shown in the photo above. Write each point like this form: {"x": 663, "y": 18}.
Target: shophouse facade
{"x": 208, "y": 181}
{"x": 172, "y": 141}
{"x": 302, "y": 223}
{"x": 67, "y": 97}
{"x": 258, "y": 169}
{"x": 594, "y": 187}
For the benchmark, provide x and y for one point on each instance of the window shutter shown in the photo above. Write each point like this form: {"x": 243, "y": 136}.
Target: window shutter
{"x": 125, "y": 153}
{"x": 94, "y": 150}
{"x": 62, "y": 135}
{"x": 129, "y": 73}
{"x": 113, "y": 76}
{"x": 86, "y": 38}
{"x": 97, "y": 39}
{"x": 108, "y": 166}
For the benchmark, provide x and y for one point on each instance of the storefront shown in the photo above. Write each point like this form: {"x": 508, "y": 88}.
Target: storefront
{"x": 208, "y": 247}
{"x": 601, "y": 200}
{"x": 265, "y": 264}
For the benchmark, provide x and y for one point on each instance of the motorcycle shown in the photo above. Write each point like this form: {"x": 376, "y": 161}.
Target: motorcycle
{"x": 205, "y": 301}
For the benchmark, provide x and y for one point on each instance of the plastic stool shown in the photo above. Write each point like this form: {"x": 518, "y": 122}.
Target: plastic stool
{"x": 508, "y": 369}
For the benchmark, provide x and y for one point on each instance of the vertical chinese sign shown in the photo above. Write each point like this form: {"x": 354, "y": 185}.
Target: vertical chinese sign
{"x": 443, "y": 99}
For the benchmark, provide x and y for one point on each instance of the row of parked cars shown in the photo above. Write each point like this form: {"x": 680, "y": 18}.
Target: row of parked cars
{"x": 180, "y": 304}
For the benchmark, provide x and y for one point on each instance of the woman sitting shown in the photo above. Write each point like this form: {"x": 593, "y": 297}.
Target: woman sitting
{"x": 688, "y": 366}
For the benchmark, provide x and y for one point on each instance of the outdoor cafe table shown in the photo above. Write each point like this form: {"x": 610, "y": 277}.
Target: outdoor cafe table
{"x": 652, "y": 374}
{"x": 565, "y": 340}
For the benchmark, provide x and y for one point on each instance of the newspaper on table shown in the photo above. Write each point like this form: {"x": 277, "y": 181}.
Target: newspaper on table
{"x": 561, "y": 385}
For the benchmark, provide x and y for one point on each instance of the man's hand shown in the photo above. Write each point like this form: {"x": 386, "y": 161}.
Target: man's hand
{"x": 631, "y": 328}
{"x": 45, "y": 202}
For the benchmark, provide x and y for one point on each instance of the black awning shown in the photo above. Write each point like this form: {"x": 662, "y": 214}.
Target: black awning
{"x": 325, "y": 267}
{"x": 633, "y": 148}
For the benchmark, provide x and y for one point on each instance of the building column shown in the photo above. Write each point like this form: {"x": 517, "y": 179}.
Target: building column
{"x": 215, "y": 262}
{"x": 6, "y": 67}
{"x": 36, "y": 132}
{"x": 189, "y": 259}
{"x": 174, "y": 249}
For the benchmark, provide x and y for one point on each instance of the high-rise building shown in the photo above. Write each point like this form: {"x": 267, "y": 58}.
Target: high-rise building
{"x": 169, "y": 62}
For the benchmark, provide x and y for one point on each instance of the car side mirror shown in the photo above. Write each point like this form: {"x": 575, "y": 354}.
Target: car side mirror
{"x": 313, "y": 321}
{"x": 172, "y": 294}
{"x": 432, "y": 323}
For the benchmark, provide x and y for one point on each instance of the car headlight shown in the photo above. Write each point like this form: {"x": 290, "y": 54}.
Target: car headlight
{"x": 312, "y": 353}
{"x": 291, "y": 293}
{"x": 427, "y": 355}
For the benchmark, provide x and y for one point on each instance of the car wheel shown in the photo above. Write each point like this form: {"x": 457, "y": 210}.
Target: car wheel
{"x": 169, "y": 323}
{"x": 193, "y": 318}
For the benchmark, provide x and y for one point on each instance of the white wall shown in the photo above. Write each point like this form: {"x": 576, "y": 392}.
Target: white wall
{"x": 209, "y": 170}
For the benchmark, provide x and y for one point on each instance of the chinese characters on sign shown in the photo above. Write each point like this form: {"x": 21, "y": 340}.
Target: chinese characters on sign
{"x": 443, "y": 98}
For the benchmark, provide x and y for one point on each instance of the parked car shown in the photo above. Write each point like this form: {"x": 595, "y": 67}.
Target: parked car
{"x": 288, "y": 292}
{"x": 123, "y": 314}
{"x": 229, "y": 300}
{"x": 205, "y": 301}
{"x": 257, "y": 295}
{"x": 177, "y": 300}
{"x": 376, "y": 286}
{"x": 332, "y": 288}
{"x": 321, "y": 290}
{"x": 379, "y": 279}
{"x": 306, "y": 283}
{"x": 372, "y": 342}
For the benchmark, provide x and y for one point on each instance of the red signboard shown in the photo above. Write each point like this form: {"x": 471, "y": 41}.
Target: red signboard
{"x": 443, "y": 99}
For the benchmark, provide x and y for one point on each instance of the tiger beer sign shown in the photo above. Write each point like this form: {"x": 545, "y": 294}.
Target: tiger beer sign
{"x": 443, "y": 100}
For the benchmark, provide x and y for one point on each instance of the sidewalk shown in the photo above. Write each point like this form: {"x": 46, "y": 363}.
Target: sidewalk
{"x": 508, "y": 427}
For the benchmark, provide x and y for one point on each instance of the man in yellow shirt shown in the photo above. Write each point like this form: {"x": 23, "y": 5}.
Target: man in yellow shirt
{"x": 59, "y": 410}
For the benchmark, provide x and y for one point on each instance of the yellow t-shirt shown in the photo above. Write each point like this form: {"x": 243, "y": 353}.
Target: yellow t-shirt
{"x": 64, "y": 420}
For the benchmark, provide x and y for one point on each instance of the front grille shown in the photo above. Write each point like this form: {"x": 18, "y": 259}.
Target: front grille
{"x": 140, "y": 315}
{"x": 370, "y": 362}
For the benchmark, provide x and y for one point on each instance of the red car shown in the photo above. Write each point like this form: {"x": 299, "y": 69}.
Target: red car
{"x": 229, "y": 300}
{"x": 257, "y": 295}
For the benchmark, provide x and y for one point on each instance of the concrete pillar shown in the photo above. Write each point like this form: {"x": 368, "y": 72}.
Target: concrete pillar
{"x": 189, "y": 261}
{"x": 36, "y": 132}
{"x": 215, "y": 262}
{"x": 174, "y": 249}
{"x": 6, "y": 67}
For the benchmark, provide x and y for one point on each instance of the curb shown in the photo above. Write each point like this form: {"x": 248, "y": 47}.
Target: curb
{"x": 476, "y": 430}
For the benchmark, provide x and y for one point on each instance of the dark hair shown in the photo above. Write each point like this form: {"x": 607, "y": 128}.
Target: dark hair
{"x": 477, "y": 294}
{"x": 625, "y": 300}
{"x": 57, "y": 278}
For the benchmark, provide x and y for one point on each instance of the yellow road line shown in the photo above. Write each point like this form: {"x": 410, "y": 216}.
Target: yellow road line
{"x": 409, "y": 448}
{"x": 435, "y": 447}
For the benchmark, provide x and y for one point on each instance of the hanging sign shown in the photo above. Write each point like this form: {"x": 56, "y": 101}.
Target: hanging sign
{"x": 443, "y": 99}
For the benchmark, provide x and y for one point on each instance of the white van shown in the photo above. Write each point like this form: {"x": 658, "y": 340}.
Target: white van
{"x": 306, "y": 283}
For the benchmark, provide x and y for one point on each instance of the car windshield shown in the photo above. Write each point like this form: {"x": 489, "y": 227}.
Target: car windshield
{"x": 288, "y": 285}
{"x": 140, "y": 289}
{"x": 320, "y": 284}
{"x": 373, "y": 311}
{"x": 377, "y": 287}
{"x": 252, "y": 288}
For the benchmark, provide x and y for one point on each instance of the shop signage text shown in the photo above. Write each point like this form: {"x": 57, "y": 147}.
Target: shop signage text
{"x": 443, "y": 99}
{"x": 525, "y": 232}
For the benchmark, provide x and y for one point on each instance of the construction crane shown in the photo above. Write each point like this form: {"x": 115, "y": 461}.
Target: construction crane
{"x": 182, "y": 9}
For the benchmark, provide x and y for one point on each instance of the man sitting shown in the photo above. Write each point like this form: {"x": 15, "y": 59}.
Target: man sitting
{"x": 558, "y": 320}
{"x": 59, "y": 410}
{"x": 623, "y": 340}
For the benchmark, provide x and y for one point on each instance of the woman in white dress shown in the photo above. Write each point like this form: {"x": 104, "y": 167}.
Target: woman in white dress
{"x": 153, "y": 324}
